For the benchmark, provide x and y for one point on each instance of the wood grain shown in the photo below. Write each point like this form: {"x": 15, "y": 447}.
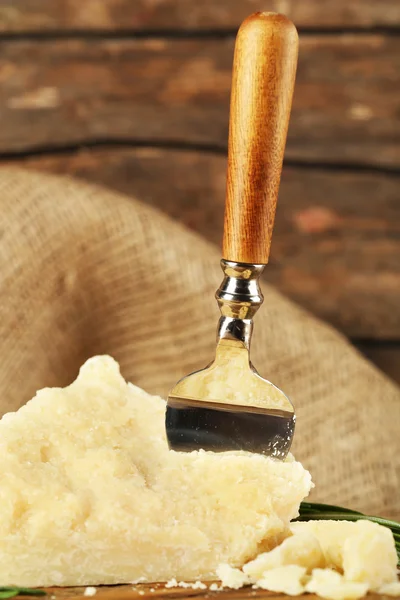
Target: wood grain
{"x": 65, "y": 92}
{"x": 264, "y": 69}
{"x": 143, "y": 592}
{"x": 336, "y": 241}
{"x": 48, "y": 15}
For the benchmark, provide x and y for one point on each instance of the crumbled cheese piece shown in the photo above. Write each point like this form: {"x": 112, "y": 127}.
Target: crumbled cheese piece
{"x": 330, "y": 535}
{"x": 90, "y": 591}
{"x": 390, "y": 589}
{"x": 286, "y": 580}
{"x": 365, "y": 552}
{"x": 369, "y": 555}
{"x": 196, "y": 585}
{"x": 88, "y": 480}
{"x": 363, "y": 555}
{"x": 303, "y": 550}
{"x": 232, "y": 578}
{"x": 214, "y": 587}
{"x": 332, "y": 585}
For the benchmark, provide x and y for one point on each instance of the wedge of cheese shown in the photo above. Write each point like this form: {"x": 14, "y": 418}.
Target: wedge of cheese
{"x": 90, "y": 493}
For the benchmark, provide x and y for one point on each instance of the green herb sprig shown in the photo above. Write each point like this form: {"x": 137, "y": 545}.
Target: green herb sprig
{"x": 12, "y": 591}
{"x": 311, "y": 511}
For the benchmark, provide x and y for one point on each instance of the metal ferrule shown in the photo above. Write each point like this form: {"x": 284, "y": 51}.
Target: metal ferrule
{"x": 239, "y": 297}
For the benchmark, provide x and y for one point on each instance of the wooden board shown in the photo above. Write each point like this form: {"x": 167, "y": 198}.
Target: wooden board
{"x": 143, "y": 592}
{"x": 57, "y": 93}
{"x": 42, "y": 15}
{"x": 336, "y": 242}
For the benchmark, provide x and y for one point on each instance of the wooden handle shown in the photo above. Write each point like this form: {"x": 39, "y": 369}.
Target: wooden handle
{"x": 264, "y": 70}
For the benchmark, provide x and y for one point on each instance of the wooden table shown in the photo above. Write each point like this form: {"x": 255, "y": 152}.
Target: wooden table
{"x": 135, "y": 95}
{"x": 143, "y": 592}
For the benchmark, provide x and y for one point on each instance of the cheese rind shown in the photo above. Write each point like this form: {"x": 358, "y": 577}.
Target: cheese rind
{"x": 91, "y": 495}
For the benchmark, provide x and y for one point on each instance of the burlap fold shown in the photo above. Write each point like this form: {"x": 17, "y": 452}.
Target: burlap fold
{"x": 87, "y": 271}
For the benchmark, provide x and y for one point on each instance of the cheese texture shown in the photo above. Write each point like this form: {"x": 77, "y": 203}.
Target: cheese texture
{"x": 337, "y": 560}
{"x": 90, "y": 493}
{"x": 363, "y": 551}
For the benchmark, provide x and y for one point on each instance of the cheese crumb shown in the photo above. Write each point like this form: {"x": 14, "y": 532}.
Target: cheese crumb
{"x": 197, "y": 585}
{"x": 194, "y": 585}
{"x": 90, "y": 591}
{"x": 337, "y": 560}
{"x": 214, "y": 587}
{"x": 232, "y": 578}
{"x": 363, "y": 551}
{"x": 303, "y": 550}
{"x": 390, "y": 589}
{"x": 289, "y": 580}
{"x": 332, "y": 585}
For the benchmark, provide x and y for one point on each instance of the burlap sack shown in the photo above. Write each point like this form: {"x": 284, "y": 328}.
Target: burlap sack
{"x": 86, "y": 271}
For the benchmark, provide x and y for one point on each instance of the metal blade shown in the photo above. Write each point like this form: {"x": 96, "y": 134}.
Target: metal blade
{"x": 193, "y": 425}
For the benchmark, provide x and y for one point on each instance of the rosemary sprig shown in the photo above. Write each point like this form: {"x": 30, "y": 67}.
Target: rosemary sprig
{"x": 12, "y": 591}
{"x": 310, "y": 511}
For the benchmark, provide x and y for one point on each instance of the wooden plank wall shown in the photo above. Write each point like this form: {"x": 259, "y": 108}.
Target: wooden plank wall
{"x": 134, "y": 94}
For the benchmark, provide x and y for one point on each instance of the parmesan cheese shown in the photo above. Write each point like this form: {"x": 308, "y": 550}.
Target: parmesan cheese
{"x": 90, "y": 591}
{"x": 363, "y": 551}
{"x": 287, "y": 580}
{"x": 303, "y": 550}
{"x": 91, "y": 494}
{"x": 390, "y": 589}
{"x": 332, "y": 585}
{"x": 337, "y": 560}
{"x": 230, "y": 577}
